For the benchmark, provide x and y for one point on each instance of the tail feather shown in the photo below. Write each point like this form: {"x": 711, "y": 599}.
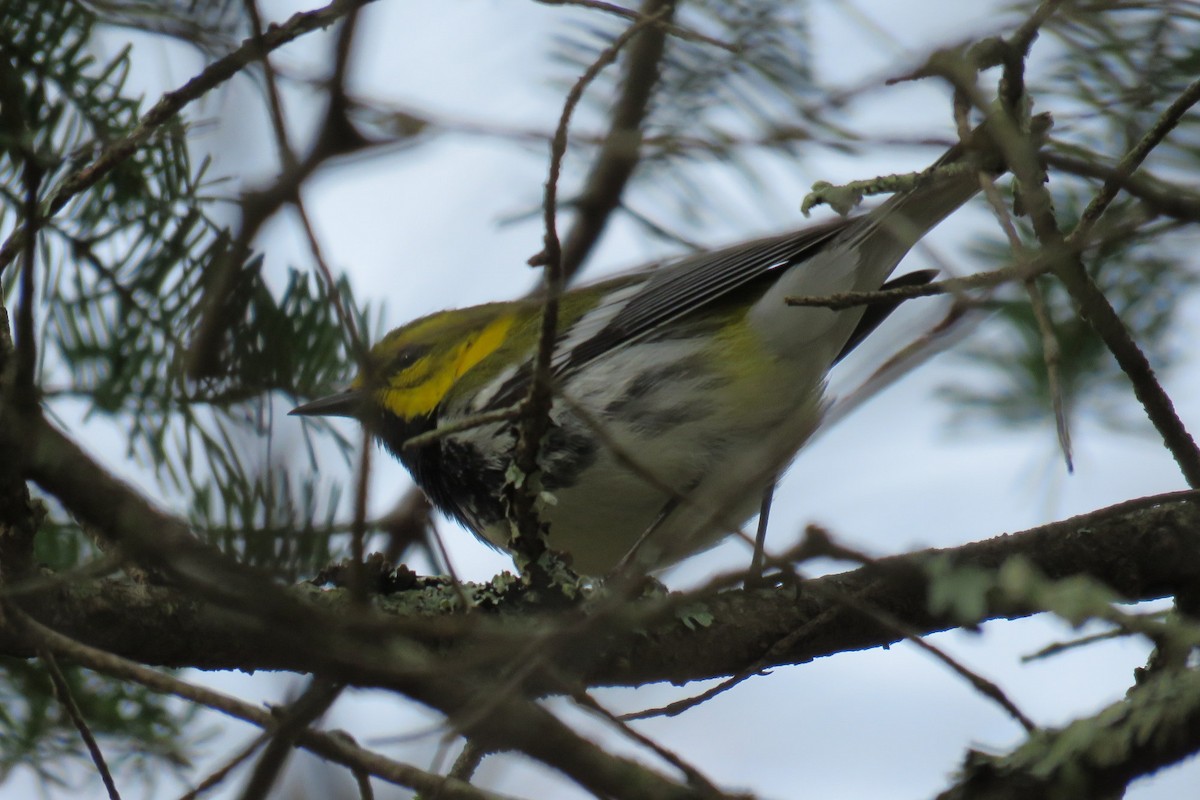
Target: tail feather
{"x": 865, "y": 252}
{"x": 874, "y": 314}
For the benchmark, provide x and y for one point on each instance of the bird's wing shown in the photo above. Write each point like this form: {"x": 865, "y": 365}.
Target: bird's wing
{"x": 691, "y": 283}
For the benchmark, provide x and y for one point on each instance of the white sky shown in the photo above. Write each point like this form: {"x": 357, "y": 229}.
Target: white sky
{"x": 419, "y": 232}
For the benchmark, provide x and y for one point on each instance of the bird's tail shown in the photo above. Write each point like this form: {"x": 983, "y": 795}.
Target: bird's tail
{"x": 867, "y": 249}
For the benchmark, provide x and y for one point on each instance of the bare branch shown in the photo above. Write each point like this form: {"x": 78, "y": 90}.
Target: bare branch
{"x": 62, "y": 690}
{"x": 1168, "y": 199}
{"x": 677, "y": 31}
{"x": 1129, "y": 163}
{"x": 526, "y": 538}
{"x": 620, "y": 154}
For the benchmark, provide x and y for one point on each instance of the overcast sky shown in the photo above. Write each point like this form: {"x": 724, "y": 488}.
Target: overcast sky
{"x": 421, "y": 231}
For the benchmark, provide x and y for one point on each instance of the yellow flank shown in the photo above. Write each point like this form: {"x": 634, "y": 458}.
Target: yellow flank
{"x": 418, "y": 390}
{"x": 739, "y": 351}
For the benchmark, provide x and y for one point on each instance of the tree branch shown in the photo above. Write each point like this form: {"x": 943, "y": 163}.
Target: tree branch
{"x": 1142, "y": 550}
{"x": 621, "y": 152}
{"x": 1095, "y": 757}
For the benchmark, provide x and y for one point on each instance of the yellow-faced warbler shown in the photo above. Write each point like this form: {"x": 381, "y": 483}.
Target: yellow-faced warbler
{"x": 681, "y": 390}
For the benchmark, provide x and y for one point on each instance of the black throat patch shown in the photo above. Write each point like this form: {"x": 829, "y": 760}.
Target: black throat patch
{"x": 458, "y": 480}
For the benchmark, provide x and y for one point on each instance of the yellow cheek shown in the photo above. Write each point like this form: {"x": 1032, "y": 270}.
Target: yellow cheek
{"x": 411, "y": 396}
{"x": 421, "y": 388}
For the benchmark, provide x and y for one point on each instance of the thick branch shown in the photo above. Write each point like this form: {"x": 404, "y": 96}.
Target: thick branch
{"x": 1142, "y": 550}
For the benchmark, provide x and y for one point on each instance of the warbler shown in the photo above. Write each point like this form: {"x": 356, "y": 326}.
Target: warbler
{"x": 680, "y": 390}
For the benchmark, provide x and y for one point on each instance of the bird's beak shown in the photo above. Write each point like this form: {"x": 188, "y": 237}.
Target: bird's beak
{"x": 343, "y": 404}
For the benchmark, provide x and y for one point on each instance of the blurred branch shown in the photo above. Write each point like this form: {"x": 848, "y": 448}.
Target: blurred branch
{"x": 291, "y": 721}
{"x": 24, "y": 388}
{"x": 1098, "y": 756}
{"x": 634, "y": 16}
{"x": 621, "y": 151}
{"x": 1133, "y": 159}
{"x": 223, "y": 305}
{"x": 62, "y": 690}
{"x": 1168, "y": 199}
{"x": 334, "y": 746}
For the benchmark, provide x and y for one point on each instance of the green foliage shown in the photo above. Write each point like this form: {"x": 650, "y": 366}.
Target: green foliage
{"x": 1138, "y": 271}
{"x": 1113, "y": 74}
{"x": 966, "y": 593}
{"x": 123, "y": 271}
{"x": 1121, "y": 69}
{"x": 126, "y": 269}
{"x": 1085, "y": 758}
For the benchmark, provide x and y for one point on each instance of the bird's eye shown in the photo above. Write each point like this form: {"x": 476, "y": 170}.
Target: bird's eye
{"x": 406, "y": 358}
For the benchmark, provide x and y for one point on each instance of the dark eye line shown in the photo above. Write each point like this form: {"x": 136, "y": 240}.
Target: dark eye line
{"x": 408, "y": 356}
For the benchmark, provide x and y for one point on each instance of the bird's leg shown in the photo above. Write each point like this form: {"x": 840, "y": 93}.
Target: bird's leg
{"x": 658, "y": 521}
{"x": 754, "y": 576}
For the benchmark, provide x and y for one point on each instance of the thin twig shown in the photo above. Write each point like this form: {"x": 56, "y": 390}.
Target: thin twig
{"x": 1162, "y": 197}
{"x": 62, "y": 690}
{"x": 694, "y": 777}
{"x": 469, "y": 759}
{"x": 620, "y": 154}
{"x": 289, "y": 722}
{"x": 675, "y": 30}
{"x": 536, "y": 408}
{"x": 1055, "y": 648}
{"x": 274, "y": 102}
{"x": 954, "y": 286}
{"x": 1129, "y": 163}
{"x": 1052, "y": 360}
{"x": 358, "y": 529}
{"x": 362, "y": 779}
{"x": 346, "y": 320}
{"x": 468, "y": 423}
{"x": 218, "y": 775}
{"x": 981, "y": 684}
{"x": 24, "y": 390}
{"x": 1051, "y": 351}
{"x": 817, "y": 540}
{"x": 334, "y": 747}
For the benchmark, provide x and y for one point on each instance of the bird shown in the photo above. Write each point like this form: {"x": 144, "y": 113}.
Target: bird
{"x": 680, "y": 390}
